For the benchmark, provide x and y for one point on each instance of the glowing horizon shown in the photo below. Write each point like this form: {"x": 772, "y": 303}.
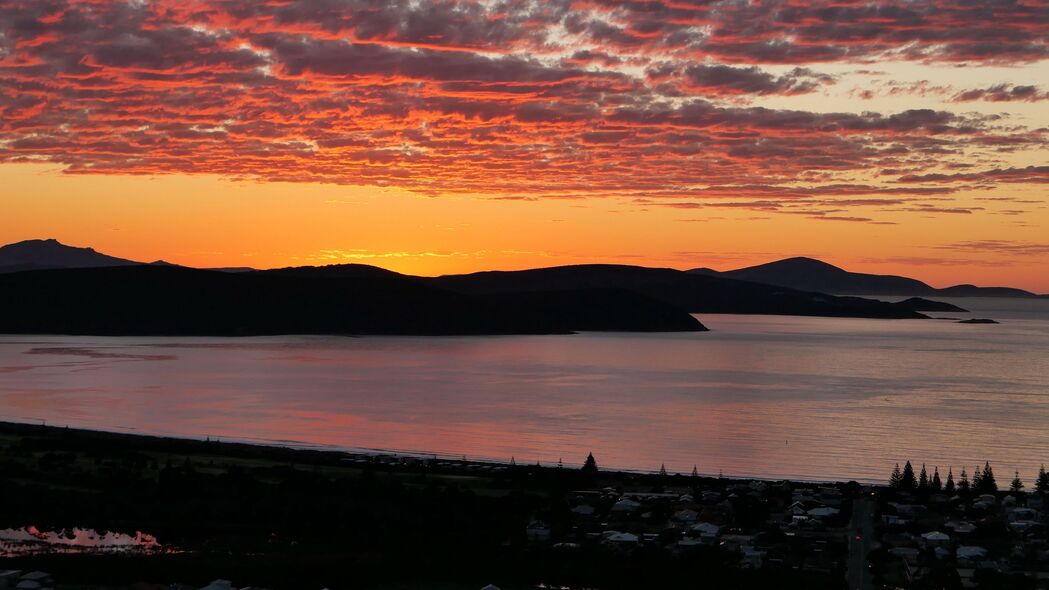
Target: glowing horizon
{"x": 428, "y": 137}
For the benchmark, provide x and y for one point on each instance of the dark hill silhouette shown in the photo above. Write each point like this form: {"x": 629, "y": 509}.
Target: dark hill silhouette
{"x": 695, "y": 293}
{"x": 920, "y": 304}
{"x": 41, "y": 254}
{"x": 51, "y": 254}
{"x": 808, "y": 274}
{"x": 172, "y": 300}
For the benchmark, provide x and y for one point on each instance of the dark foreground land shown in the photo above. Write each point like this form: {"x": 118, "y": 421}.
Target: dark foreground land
{"x": 299, "y": 519}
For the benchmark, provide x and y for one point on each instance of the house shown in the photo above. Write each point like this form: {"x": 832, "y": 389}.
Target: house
{"x": 620, "y": 539}
{"x": 970, "y": 554}
{"x": 1022, "y": 514}
{"x": 538, "y": 531}
{"x": 706, "y": 529}
{"x": 935, "y": 539}
{"x": 8, "y": 578}
{"x": 751, "y": 558}
{"x": 908, "y": 554}
{"x": 686, "y": 516}
{"x": 823, "y": 512}
{"x": 626, "y": 505}
{"x": 584, "y": 510}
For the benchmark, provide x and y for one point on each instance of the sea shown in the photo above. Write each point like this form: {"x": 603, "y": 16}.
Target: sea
{"x": 776, "y": 397}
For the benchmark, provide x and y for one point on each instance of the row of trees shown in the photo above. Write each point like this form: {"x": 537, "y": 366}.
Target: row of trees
{"x": 982, "y": 482}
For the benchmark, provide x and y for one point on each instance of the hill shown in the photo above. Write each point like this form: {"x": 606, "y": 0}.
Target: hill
{"x": 808, "y": 274}
{"x": 42, "y": 254}
{"x": 695, "y": 293}
{"x": 171, "y": 300}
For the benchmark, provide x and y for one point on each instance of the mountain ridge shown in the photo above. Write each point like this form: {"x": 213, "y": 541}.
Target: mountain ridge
{"x": 810, "y": 274}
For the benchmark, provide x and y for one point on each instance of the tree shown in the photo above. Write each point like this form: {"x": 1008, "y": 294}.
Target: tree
{"x": 923, "y": 479}
{"x": 949, "y": 486}
{"x": 1017, "y": 485}
{"x": 987, "y": 482}
{"x": 963, "y": 483}
{"x": 896, "y": 477}
{"x": 695, "y": 471}
{"x": 936, "y": 483}
{"x": 1042, "y": 485}
{"x": 663, "y": 470}
{"x": 908, "y": 481}
{"x": 977, "y": 479}
{"x": 590, "y": 466}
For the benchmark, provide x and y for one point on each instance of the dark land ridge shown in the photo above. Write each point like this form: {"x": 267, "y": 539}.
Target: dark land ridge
{"x": 808, "y": 274}
{"x": 62, "y": 290}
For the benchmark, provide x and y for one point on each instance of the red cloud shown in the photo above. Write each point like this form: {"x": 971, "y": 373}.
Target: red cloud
{"x": 493, "y": 98}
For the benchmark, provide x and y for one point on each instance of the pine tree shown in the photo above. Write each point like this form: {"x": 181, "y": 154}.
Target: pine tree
{"x": 1042, "y": 485}
{"x": 1017, "y": 485}
{"x": 923, "y": 479}
{"x": 987, "y": 480}
{"x": 908, "y": 482}
{"x": 936, "y": 484}
{"x": 663, "y": 470}
{"x": 513, "y": 462}
{"x": 963, "y": 483}
{"x": 896, "y": 477}
{"x": 695, "y": 471}
{"x": 590, "y": 466}
{"x": 949, "y": 486}
{"x": 977, "y": 484}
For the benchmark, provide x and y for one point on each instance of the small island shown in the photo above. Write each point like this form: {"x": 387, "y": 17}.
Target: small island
{"x": 922, "y": 304}
{"x": 978, "y": 321}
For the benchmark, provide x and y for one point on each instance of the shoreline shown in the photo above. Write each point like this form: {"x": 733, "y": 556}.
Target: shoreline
{"x": 398, "y": 455}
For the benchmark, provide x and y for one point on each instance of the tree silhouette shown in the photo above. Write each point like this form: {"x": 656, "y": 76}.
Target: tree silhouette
{"x": 908, "y": 481}
{"x": 1017, "y": 485}
{"x": 949, "y": 486}
{"x": 987, "y": 483}
{"x": 923, "y": 479}
{"x": 963, "y": 483}
{"x": 695, "y": 471}
{"x": 977, "y": 479}
{"x": 1042, "y": 485}
{"x": 896, "y": 477}
{"x": 590, "y": 466}
{"x": 663, "y": 470}
{"x": 936, "y": 484}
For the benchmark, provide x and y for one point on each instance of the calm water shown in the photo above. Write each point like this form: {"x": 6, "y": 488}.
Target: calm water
{"x": 759, "y": 395}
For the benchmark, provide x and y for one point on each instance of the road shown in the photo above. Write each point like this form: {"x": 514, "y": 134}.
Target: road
{"x": 861, "y": 542}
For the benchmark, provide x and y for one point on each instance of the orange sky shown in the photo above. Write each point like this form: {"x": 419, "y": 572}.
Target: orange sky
{"x": 438, "y": 137}
{"x": 209, "y": 221}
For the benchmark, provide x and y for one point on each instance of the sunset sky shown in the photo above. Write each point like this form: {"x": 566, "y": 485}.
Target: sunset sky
{"x": 433, "y": 136}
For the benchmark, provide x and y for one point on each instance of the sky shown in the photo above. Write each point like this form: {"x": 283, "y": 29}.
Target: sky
{"x": 434, "y": 136}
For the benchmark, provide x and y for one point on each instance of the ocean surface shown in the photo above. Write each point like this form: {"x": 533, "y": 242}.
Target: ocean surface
{"x": 768, "y": 396}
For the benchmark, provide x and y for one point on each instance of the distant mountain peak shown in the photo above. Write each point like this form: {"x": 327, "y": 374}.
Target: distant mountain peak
{"x": 803, "y": 262}
{"x": 50, "y": 253}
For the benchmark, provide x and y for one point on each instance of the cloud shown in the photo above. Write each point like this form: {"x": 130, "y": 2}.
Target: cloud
{"x": 1003, "y": 93}
{"x": 1027, "y": 175}
{"x": 522, "y": 99}
{"x": 720, "y": 79}
{"x": 1007, "y": 247}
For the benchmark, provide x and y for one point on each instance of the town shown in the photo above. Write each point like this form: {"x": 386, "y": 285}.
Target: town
{"x": 223, "y": 516}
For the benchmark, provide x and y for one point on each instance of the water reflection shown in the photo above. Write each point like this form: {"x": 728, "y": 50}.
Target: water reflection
{"x": 759, "y": 395}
